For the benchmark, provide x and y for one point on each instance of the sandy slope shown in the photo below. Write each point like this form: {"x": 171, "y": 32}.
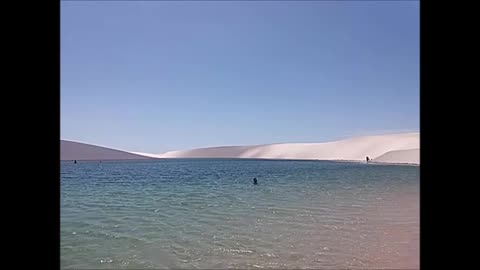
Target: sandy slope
{"x": 349, "y": 149}
{"x": 81, "y": 151}
{"x": 411, "y": 156}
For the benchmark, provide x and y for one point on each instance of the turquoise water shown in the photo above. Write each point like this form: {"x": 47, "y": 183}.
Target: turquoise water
{"x": 207, "y": 214}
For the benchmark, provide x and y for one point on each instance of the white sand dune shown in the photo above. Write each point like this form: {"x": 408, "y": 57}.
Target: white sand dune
{"x": 390, "y": 148}
{"x": 353, "y": 149}
{"x": 411, "y": 156}
{"x": 80, "y": 151}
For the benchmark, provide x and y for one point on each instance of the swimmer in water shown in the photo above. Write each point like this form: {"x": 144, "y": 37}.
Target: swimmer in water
{"x": 255, "y": 181}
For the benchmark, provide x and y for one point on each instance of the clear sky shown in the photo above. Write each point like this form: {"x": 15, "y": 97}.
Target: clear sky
{"x": 160, "y": 76}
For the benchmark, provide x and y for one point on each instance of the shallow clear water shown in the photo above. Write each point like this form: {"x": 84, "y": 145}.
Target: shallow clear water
{"x": 196, "y": 213}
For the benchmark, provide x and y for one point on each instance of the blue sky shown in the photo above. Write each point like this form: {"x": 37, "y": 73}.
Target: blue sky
{"x": 159, "y": 76}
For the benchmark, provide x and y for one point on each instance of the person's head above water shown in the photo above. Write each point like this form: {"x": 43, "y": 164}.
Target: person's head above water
{"x": 254, "y": 180}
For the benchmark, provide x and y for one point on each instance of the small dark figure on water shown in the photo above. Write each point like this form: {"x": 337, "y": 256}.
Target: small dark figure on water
{"x": 368, "y": 159}
{"x": 74, "y": 162}
{"x": 255, "y": 181}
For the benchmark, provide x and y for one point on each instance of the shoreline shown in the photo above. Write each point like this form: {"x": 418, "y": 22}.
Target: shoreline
{"x": 240, "y": 158}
